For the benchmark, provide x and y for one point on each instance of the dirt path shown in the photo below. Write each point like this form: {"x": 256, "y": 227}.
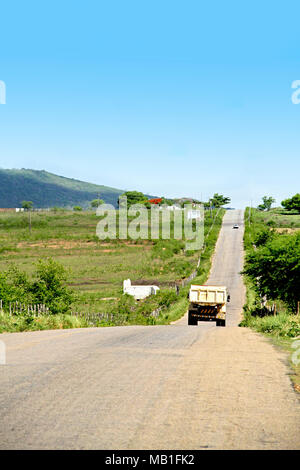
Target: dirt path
{"x": 156, "y": 387}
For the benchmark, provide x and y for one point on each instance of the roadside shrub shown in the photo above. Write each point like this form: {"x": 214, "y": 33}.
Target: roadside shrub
{"x": 263, "y": 237}
{"x": 48, "y": 287}
{"x": 274, "y": 269}
{"x": 282, "y": 325}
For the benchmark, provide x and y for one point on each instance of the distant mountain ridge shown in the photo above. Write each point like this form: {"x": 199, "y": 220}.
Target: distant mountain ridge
{"x": 46, "y": 189}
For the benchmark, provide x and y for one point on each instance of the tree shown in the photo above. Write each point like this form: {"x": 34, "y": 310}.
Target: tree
{"x": 274, "y": 268}
{"x": 77, "y": 208}
{"x": 49, "y": 287}
{"x": 14, "y": 286}
{"x": 292, "y": 204}
{"x": 27, "y": 205}
{"x": 267, "y": 203}
{"x": 219, "y": 200}
{"x": 134, "y": 197}
{"x": 96, "y": 203}
{"x": 169, "y": 202}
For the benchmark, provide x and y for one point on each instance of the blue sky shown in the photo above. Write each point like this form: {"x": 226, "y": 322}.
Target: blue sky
{"x": 169, "y": 98}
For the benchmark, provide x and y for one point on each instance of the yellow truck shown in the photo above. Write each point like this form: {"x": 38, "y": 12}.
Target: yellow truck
{"x": 207, "y": 303}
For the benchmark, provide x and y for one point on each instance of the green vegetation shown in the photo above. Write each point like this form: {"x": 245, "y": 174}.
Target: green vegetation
{"x": 292, "y": 204}
{"x": 266, "y": 204}
{"x": 96, "y": 203}
{"x": 47, "y": 190}
{"x": 272, "y": 276}
{"x": 15, "y": 323}
{"x": 47, "y": 287}
{"x": 272, "y": 264}
{"x": 27, "y": 205}
{"x": 96, "y": 268}
{"x": 135, "y": 197}
{"x": 219, "y": 200}
{"x": 274, "y": 267}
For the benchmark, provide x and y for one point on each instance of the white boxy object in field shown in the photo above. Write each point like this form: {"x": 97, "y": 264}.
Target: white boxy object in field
{"x": 194, "y": 214}
{"x": 138, "y": 292}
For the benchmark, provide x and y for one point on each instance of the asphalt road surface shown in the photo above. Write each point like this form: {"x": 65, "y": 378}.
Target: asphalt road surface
{"x": 156, "y": 387}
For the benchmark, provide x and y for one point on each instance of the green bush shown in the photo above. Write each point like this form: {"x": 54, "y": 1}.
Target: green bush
{"x": 48, "y": 287}
{"x": 282, "y": 325}
{"x": 274, "y": 268}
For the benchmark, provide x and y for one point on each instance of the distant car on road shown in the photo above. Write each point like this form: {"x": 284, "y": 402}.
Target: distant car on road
{"x": 235, "y": 226}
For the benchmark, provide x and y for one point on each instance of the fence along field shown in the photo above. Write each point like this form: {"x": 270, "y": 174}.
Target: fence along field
{"x": 97, "y": 268}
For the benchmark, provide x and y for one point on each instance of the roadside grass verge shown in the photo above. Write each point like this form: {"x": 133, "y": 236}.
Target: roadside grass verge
{"x": 283, "y": 326}
{"x": 17, "y": 323}
{"x": 283, "y": 330}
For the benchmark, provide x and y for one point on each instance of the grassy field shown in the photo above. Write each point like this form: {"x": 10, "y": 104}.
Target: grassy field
{"x": 97, "y": 268}
{"x": 284, "y": 326}
{"x": 279, "y": 218}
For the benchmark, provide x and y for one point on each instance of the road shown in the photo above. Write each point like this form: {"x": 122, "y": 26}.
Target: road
{"x": 156, "y": 387}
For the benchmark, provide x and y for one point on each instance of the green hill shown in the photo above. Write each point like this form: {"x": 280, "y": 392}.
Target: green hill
{"x": 48, "y": 190}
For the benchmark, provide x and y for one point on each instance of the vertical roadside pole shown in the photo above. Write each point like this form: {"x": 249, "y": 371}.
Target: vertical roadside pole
{"x": 29, "y": 220}
{"x": 298, "y": 307}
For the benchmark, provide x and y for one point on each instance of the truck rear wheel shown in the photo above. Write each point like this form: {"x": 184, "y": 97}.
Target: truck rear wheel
{"x": 192, "y": 320}
{"x": 220, "y": 322}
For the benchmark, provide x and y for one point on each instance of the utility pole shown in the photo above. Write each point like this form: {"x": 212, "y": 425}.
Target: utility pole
{"x": 30, "y": 221}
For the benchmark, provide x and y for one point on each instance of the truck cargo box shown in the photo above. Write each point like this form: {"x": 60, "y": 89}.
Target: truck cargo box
{"x": 207, "y": 303}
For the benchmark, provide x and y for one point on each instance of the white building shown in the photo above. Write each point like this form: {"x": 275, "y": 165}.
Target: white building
{"x": 138, "y": 292}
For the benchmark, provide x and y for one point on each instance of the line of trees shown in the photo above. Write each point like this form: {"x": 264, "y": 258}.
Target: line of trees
{"x": 291, "y": 204}
{"x": 136, "y": 197}
{"x": 274, "y": 266}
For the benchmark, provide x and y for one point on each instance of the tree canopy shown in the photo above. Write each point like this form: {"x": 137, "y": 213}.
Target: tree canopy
{"x": 275, "y": 267}
{"x": 47, "y": 287}
{"x": 134, "y": 197}
{"x": 96, "y": 203}
{"x": 219, "y": 200}
{"x": 266, "y": 204}
{"x": 292, "y": 204}
{"x": 27, "y": 205}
